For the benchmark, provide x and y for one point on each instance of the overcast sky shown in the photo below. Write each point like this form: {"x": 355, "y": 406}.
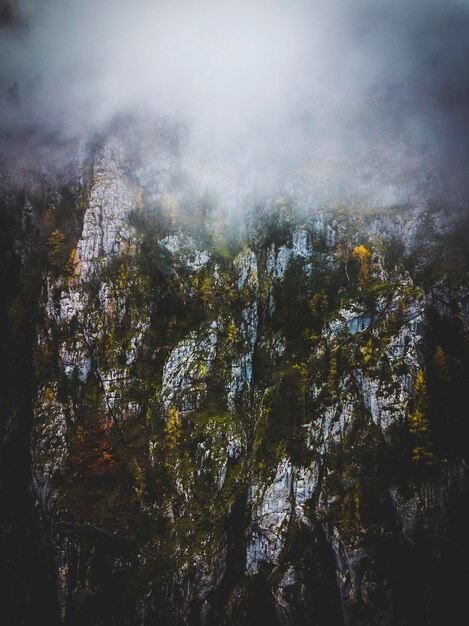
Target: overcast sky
{"x": 289, "y": 80}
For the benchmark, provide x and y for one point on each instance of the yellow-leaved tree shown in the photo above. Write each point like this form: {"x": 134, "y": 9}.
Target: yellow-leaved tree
{"x": 56, "y": 247}
{"x": 418, "y": 423}
{"x": 173, "y": 429}
{"x": 363, "y": 255}
{"x": 73, "y": 266}
{"x": 231, "y": 332}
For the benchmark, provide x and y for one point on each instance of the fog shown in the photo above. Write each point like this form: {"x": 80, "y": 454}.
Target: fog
{"x": 286, "y": 86}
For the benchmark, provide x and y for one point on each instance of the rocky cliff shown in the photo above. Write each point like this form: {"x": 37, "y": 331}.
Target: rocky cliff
{"x": 230, "y": 414}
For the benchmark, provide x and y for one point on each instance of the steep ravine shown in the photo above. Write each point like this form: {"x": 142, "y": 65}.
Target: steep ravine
{"x": 217, "y": 425}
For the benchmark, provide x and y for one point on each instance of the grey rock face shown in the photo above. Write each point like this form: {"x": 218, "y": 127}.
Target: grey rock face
{"x": 187, "y": 368}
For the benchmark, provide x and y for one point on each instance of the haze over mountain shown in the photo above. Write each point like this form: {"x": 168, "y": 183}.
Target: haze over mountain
{"x": 280, "y": 86}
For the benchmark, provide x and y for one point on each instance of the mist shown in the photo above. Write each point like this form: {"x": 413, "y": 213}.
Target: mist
{"x": 337, "y": 86}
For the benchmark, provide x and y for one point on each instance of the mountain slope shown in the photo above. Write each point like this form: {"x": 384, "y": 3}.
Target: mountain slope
{"x": 235, "y": 416}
